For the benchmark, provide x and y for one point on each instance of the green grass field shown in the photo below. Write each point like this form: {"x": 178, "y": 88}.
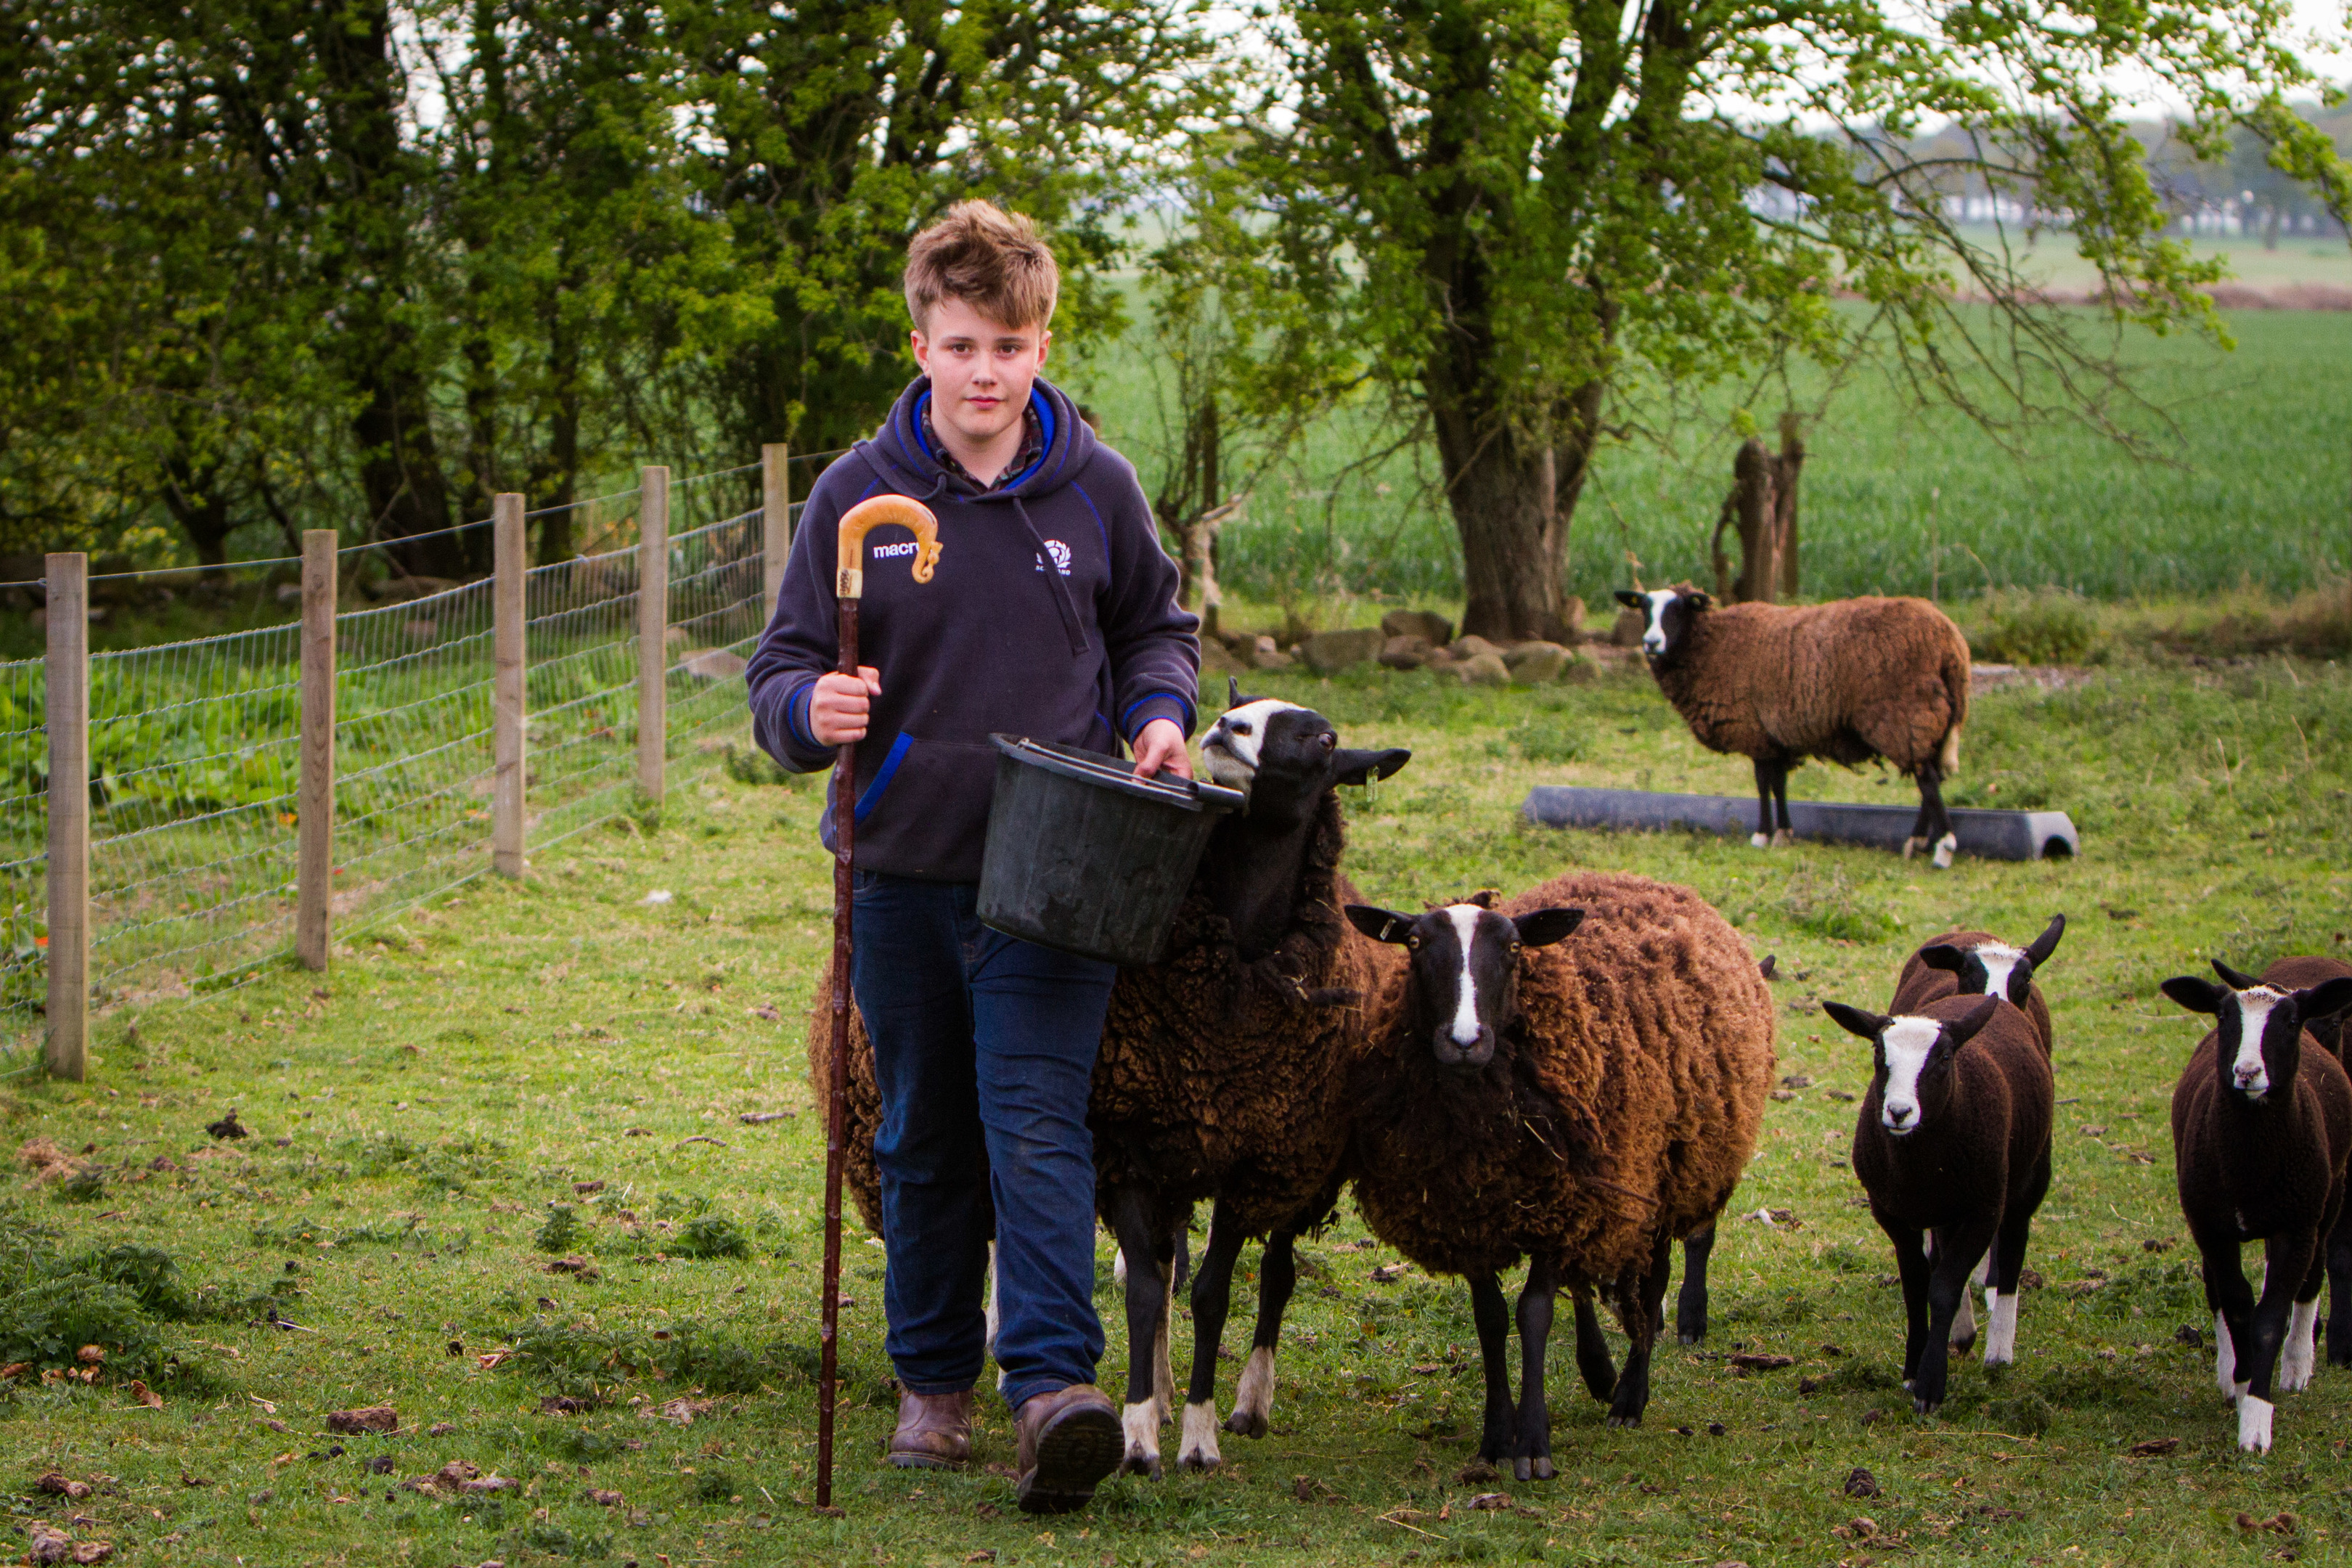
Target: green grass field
{"x": 2246, "y": 479}
{"x": 564, "y": 1063}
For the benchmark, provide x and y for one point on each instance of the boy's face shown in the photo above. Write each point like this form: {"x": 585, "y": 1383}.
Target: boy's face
{"x": 981, "y": 370}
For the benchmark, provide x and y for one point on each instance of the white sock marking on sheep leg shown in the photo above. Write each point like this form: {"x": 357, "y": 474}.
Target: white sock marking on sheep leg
{"x": 2000, "y": 1342}
{"x": 2300, "y": 1355}
{"x": 2225, "y": 1359}
{"x": 1254, "y": 1399}
{"x": 1758, "y": 841}
{"x": 1944, "y": 847}
{"x": 2254, "y": 1425}
{"x": 1199, "y": 1446}
{"x": 1141, "y": 1422}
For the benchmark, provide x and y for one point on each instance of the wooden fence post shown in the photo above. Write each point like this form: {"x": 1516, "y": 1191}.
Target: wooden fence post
{"x": 509, "y": 615}
{"x": 653, "y": 627}
{"x": 68, "y": 730}
{"x": 314, "y": 801}
{"x": 775, "y": 520}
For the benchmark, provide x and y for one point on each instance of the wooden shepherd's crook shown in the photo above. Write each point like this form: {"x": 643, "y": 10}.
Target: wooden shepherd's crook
{"x": 849, "y": 584}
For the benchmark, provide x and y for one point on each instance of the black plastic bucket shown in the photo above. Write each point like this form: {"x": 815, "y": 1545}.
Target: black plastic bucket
{"x": 1085, "y": 856}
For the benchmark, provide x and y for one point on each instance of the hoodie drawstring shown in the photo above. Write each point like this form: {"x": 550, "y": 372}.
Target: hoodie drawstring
{"x": 1054, "y": 583}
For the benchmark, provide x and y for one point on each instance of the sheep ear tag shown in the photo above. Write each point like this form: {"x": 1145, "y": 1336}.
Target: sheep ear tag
{"x": 1381, "y": 925}
{"x": 1698, "y": 600}
{"x": 2195, "y": 993}
{"x": 1854, "y": 1021}
{"x": 1354, "y": 767}
{"x": 1630, "y": 600}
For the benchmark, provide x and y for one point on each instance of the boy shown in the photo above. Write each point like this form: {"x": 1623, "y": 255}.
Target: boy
{"x": 1052, "y": 614}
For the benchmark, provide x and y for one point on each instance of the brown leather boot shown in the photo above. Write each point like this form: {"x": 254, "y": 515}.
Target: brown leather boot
{"x": 1070, "y": 1439}
{"x": 934, "y": 1431}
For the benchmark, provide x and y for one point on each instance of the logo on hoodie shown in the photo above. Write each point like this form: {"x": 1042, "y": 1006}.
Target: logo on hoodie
{"x": 1061, "y": 554}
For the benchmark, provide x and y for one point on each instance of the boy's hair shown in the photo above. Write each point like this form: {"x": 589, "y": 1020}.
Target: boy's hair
{"x": 990, "y": 259}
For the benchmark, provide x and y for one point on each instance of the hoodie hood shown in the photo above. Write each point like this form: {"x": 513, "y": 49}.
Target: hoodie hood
{"x": 908, "y": 464}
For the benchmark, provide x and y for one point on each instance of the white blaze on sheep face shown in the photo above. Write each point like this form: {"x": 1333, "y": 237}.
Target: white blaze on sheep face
{"x": 2249, "y": 1071}
{"x": 1465, "y": 1025}
{"x": 2000, "y": 960}
{"x": 1231, "y": 749}
{"x": 1907, "y": 1044}
{"x": 1653, "y": 639}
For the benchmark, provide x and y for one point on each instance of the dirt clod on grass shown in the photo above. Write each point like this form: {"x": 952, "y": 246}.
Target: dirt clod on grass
{"x": 228, "y": 1126}
{"x": 371, "y": 1418}
{"x": 1860, "y": 1482}
{"x": 2155, "y": 1447}
{"x": 58, "y": 1484}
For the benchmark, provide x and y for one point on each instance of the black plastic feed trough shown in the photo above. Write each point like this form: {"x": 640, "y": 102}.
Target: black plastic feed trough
{"x": 1987, "y": 835}
{"x": 1085, "y": 856}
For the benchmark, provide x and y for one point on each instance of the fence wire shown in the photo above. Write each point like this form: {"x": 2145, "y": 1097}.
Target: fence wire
{"x": 194, "y": 746}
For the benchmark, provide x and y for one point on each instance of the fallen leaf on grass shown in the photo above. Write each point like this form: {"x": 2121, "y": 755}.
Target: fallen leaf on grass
{"x": 2277, "y": 1524}
{"x": 1388, "y": 1273}
{"x": 576, "y": 1266}
{"x": 1307, "y": 1488}
{"x": 1749, "y": 1361}
{"x": 491, "y": 1359}
{"x": 1492, "y": 1502}
{"x": 564, "y": 1405}
{"x": 986, "y": 1555}
{"x": 1474, "y": 1472}
{"x": 91, "y": 1355}
{"x": 371, "y": 1418}
{"x": 55, "y": 1484}
{"x": 585, "y": 1188}
{"x": 2153, "y": 1448}
{"x": 145, "y": 1395}
{"x": 603, "y": 1499}
{"x": 14, "y": 1369}
{"x": 773, "y": 1015}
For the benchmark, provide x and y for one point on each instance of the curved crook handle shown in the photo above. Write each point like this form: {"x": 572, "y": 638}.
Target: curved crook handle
{"x": 879, "y": 511}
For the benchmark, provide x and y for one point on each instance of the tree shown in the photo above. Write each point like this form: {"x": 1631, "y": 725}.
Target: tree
{"x": 1558, "y": 208}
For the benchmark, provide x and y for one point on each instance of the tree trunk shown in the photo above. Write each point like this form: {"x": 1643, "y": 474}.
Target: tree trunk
{"x": 1790, "y": 466}
{"x": 1758, "y": 522}
{"x": 198, "y": 505}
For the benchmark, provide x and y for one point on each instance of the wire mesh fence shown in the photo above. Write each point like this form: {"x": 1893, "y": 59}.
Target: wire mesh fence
{"x": 195, "y": 745}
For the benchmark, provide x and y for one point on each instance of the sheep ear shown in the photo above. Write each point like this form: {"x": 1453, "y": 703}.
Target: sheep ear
{"x": 1855, "y": 1020}
{"x": 1351, "y": 767}
{"x": 1630, "y": 600}
{"x": 2047, "y": 942}
{"x": 2324, "y": 1000}
{"x": 1698, "y": 600}
{"x": 2239, "y": 980}
{"x": 1381, "y": 925}
{"x": 1943, "y": 955}
{"x": 1541, "y": 928}
{"x": 1233, "y": 697}
{"x": 2195, "y": 993}
{"x": 1965, "y": 1028}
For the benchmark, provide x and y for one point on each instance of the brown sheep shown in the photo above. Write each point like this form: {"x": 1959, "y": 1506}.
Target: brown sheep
{"x": 2302, "y": 974}
{"x": 1977, "y": 963}
{"x": 1583, "y": 1103}
{"x": 1847, "y": 681}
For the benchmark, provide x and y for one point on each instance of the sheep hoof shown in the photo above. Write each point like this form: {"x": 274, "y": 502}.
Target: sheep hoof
{"x": 1689, "y": 1337}
{"x": 1758, "y": 841}
{"x": 1963, "y": 1346}
{"x": 1912, "y": 846}
{"x": 1784, "y": 838}
{"x": 1144, "y": 1465}
{"x": 1246, "y": 1423}
{"x": 1199, "y": 1464}
{"x": 1617, "y": 1420}
{"x": 1535, "y": 1468}
{"x": 1925, "y": 1407}
{"x": 1944, "y": 847}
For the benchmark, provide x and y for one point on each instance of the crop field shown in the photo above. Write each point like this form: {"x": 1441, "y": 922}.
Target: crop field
{"x": 538, "y": 1166}
{"x": 2245, "y": 479}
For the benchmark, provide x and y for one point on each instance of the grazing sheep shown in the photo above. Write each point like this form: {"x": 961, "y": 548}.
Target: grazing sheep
{"x": 1223, "y": 1068}
{"x": 2328, "y": 1029}
{"x": 2260, "y": 1132}
{"x": 1848, "y": 681}
{"x": 1581, "y": 1103}
{"x": 1953, "y": 1139}
{"x": 1977, "y": 963}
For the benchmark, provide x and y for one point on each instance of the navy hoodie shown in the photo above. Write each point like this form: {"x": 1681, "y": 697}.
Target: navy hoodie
{"x": 1052, "y": 614}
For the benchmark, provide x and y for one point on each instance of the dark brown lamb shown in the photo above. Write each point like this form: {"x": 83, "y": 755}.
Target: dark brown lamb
{"x": 1606, "y": 1110}
{"x": 1845, "y": 681}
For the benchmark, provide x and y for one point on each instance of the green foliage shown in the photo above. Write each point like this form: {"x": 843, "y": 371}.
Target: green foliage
{"x": 2049, "y": 626}
{"x": 1825, "y": 904}
{"x": 711, "y": 1235}
{"x": 587, "y": 1359}
{"x": 118, "y": 1299}
{"x": 561, "y": 1230}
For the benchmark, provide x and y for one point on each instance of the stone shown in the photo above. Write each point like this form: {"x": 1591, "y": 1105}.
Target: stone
{"x": 1405, "y": 652}
{"x": 1582, "y": 668}
{"x": 1216, "y": 659}
{"x": 1325, "y": 652}
{"x": 1265, "y": 655}
{"x": 675, "y": 636}
{"x": 1427, "y": 624}
{"x": 1626, "y": 630}
{"x": 1484, "y": 669}
{"x": 1533, "y": 663}
{"x": 714, "y": 664}
{"x": 1471, "y": 647}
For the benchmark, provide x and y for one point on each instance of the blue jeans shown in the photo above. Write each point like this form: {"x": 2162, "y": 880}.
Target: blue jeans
{"x": 984, "y": 1053}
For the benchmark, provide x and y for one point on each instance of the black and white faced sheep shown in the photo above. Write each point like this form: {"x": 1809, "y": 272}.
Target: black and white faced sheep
{"x": 1952, "y": 1141}
{"x": 1847, "y": 681}
{"x": 2327, "y": 1030}
{"x": 1223, "y": 1068}
{"x": 2260, "y": 1132}
{"x": 1977, "y": 963}
{"x": 1582, "y": 1103}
